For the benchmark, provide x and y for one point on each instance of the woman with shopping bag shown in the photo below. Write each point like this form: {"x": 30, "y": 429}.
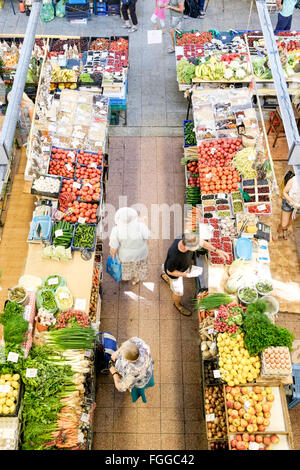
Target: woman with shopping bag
{"x": 128, "y": 241}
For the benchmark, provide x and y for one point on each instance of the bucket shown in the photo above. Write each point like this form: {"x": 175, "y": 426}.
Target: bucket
{"x": 272, "y": 304}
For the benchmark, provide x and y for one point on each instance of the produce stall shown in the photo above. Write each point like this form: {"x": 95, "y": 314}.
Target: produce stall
{"x": 51, "y": 320}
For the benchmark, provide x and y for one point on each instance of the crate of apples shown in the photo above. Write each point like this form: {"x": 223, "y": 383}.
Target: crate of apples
{"x": 62, "y": 162}
{"x": 90, "y": 191}
{"x": 85, "y": 158}
{"x": 88, "y": 172}
{"x": 260, "y": 442}
{"x": 81, "y": 210}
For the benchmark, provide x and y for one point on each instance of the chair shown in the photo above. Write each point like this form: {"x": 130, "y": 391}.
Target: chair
{"x": 276, "y": 123}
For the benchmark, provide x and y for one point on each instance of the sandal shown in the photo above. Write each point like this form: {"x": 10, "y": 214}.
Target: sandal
{"x": 171, "y": 50}
{"x": 285, "y": 235}
{"x": 167, "y": 281}
{"x": 183, "y": 310}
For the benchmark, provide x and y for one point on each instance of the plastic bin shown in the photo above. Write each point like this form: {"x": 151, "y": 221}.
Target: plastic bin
{"x": 295, "y": 387}
{"x": 185, "y": 144}
{"x": 75, "y": 248}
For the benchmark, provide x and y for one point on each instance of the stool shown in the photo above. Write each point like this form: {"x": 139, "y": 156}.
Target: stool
{"x": 276, "y": 123}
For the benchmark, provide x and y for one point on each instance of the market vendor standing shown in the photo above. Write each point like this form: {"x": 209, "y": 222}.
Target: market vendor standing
{"x": 25, "y": 117}
{"x": 285, "y": 14}
{"x": 178, "y": 265}
{"x": 176, "y": 8}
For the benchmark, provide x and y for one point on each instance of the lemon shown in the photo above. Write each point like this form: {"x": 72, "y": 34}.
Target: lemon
{"x": 236, "y": 381}
{"x": 231, "y": 383}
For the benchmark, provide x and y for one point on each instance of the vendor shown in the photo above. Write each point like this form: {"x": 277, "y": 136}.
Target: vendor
{"x": 290, "y": 207}
{"x": 133, "y": 367}
{"x": 25, "y": 117}
{"x": 178, "y": 265}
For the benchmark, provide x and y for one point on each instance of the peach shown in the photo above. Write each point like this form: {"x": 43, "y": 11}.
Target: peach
{"x": 274, "y": 439}
{"x": 250, "y": 428}
{"x": 228, "y": 389}
{"x": 234, "y": 413}
{"x": 267, "y": 414}
{"x": 267, "y": 440}
{"x": 230, "y": 419}
{"x": 232, "y": 428}
{"x": 242, "y": 412}
{"x": 255, "y": 427}
{"x": 258, "y": 408}
{"x": 236, "y": 422}
{"x": 238, "y": 437}
{"x": 259, "y": 419}
{"x": 270, "y": 397}
{"x": 251, "y": 438}
{"x": 245, "y": 437}
{"x": 257, "y": 389}
{"x": 229, "y": 404}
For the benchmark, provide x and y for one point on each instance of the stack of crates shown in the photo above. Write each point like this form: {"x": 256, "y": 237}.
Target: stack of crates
{"x": 295, "y": 398}
{"x": 113, "y": 7}
{"x": 100, "y": 8}
{"x": 77, "y": 10}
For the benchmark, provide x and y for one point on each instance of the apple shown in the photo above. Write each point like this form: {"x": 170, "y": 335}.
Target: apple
{"x": 274, "y": 439}
{"x": 260, "y": 414}
{"x": 253, "y": 420}
{"x": 237, "y": 405}
{"x": 260, "y": 397}
{"x": 244, "y": 423}
{"x": 267, "y": 440}
{"x": 258, "y": 408}
{"x": 233, "y": 443}
{"x": 259, "y": 419}
{"x": 238, "y": 437}
{"x": 261, "y": 428}
{"x": 230, "y": 419}
{"x": 244, "y": 390}
{"x": 232, "y": 428}
{"x": 267, "y": 414}
{"x": 263, "y": 393}
{"x": 255, "y": 427}
{"x": 246, "y": 437}
{"x": 228, "y": 389}
{"x": 229, "y": 404}
{"x": 240, "y": 445}
{"x": 270, "y": 397}
{"x": 242, "y": 412}
{"x": 235, "y": 413}
{"x": 268, "y": 390}
{"x": 235, "y": 391}
{"x": 251, "y": 438}
{"x": 241, "y": 428}
{"x": 255, "y": 397}
{"x": 247, "y": 417}
{"x": 236, "y": 422}
{"x": 258, "y": 438}
{"x": 257, "y": 389}
{"x": 266, "y": 407}
{"x": 229, "y": 397}
{"x": 250, "y": 428}
{"x": 251, "y": 410}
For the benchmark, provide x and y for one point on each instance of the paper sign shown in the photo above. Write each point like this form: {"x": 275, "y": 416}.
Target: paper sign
{"x": 85, "y": 418}
{"x": 212, "y": 150}
{"x": 211, "y": 331}
{"x": 251, "y": 157}
{"x": 31, "y": 373}
{"x": 208, "y": 175}
{"x": 154, "y": 36}
{"x": 253, "y": 446}
{"x": 80, "y": 304}
{"x": 26, "y": 315}
{"x": 53, "y": 281}
{"x": 63, "y": 295}
{"x": 5, "y": 388}
{"x": 247, "y": 404}
{"x": 45, "y": 148}
{"x": 93, "y": 165}
{"x": 213, "y": 346}
{"x": 217, "y": 374}
{"x": 76, "y": 185}
{"x": 216, "y": 313}
{"x": 262, "y": 207}
{"x": 69, "y": 167}
{"x": 81, "y": 220}
{"x": 13, "y": 357}
{"x": 210, "y": 417}
{"x": 123, "y": 57}
{"x": 58, "y": 233}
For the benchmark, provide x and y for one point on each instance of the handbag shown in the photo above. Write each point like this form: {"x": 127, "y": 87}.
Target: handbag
{"x": 114, "y": 268}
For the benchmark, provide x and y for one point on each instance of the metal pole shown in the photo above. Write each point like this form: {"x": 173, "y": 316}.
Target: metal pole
{"x": 286, "y": 109}
{"x": 12, "y": 113}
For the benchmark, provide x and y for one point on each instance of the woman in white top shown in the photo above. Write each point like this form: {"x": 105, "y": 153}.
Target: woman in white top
{"x": 128, "y": 238}
{"x": 290, "y": 206}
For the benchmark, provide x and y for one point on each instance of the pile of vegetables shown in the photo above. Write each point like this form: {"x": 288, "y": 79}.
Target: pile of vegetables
{"x": 62, "y": 234}
{"x": 46, "y": 184}
{"x": 247, "y": 295}
{"x": 193, "y": 195}
{"x": 17, "y": 294}
{"x": 261, "y": 333}
{"x": 84, "y": 236}
{"x": 214, "y": 301}
{"x": 189, "y": 134}
{"x": 260, "y": 68}
{"x": 57, "y": 253}
{"x": 53, "y": 282}
{"x": 63, "y": 298}
{"x": 85, "y": 78}
{"x": 15, "y": 327}
{"x": 193, "y": 38}
{"x": 46, "y": 299}
{"x": 207, "y": 337}
{"x": 185, "y": 71}
{"x": 74, "y": 337}
{"x": 229, "y": 318}
{"x": 71, "y": 318}
{"x": 86, "y": 210}
{"x": 243, "y": 162}
{"x": 9, "y": 397}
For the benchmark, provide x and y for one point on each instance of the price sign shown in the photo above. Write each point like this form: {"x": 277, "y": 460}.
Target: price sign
{"x": 253, "y": 446}
{"x": 89, "y": 185}
{"x": 262, "y": 207}
{"x": 63, "y": 295}
{"x": 5, "y": 388}
{"x": 123, "y": 57}
{"x": 85, "y": 418}
{"x": 216, "y": 313}
{"x": 208, "y": 175}
{"x": 31, "y": 373}
{"x": 197, "y": 34}
{"x": 251, "y": 157}
{"x": 212, "y": 150}
{"x": 247, "y": 404}
{"x": 76, "y": 185}
{"x": 53, "y": 281}
{"x": 12, "y": 357}
{"x": 210, "y": 331}
{"x": 26, "y": 315}
{"x": 81, "y": 220}
{"x": 80, "y": 304}
{"x": 69, "y": 167}
{"x": 213, "y": 346}
{"x": 45, "y": 149}
{"x": 71, "y": 155}
{"x": 210, "y": 417}
{"x": 217, "y": 374}
{"x": 93, "y": 165}
{"x": 58, "y": 233}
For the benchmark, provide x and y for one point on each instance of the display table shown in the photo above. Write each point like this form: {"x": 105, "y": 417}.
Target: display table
{"x": 77, "y": 272}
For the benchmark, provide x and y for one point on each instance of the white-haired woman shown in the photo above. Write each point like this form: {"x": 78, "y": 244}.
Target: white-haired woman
{"x": 133, "y": 369}
{"x": 129, "y": 239}
{"x": 25, "y": 117}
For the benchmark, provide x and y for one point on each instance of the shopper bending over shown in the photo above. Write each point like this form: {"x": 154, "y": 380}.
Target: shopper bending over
{"x": 133, "y": 368}
{"x": 176, "y": 8}
{"x": 179, "y": 262}
{"x": 285, "y": 14}
{"x": 129, "y": 239}
{"x": 131, "y": 7}
{"x": 290, "y": 207}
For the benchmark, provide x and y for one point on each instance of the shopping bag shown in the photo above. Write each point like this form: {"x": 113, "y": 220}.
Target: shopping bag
{"x": 60, "y": 9}
{"x": 114, "y": 268}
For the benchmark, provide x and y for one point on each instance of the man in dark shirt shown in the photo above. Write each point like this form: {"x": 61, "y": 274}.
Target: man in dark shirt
{"x": 179, "y": 262}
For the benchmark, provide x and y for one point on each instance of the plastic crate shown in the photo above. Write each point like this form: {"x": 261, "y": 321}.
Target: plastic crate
{"x": 73, "y": 12}
{"x": 77, "y": 2}
{"x": 119, "y": 102}
{"x": 187, "y": 145}
{"x": 295, "y": 387}
{"x": 113, "y": 9}
{"x": 75, "y": 248}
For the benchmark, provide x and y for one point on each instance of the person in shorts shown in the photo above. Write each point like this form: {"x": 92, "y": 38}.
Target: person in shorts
{"x": 179, "y": 262}
{"x": 290, "y": 207}
{"x": 176, "y": 8}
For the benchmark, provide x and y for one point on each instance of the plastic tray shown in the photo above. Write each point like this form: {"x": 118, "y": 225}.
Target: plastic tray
{"x": 45, "y": 194}
{"x": 75, "y": 248}
{"x": 243, "y": 248}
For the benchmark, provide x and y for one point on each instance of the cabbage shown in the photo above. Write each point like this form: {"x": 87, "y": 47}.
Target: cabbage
{"x": 240, "y": 74}
{"x": 228, "y": 74}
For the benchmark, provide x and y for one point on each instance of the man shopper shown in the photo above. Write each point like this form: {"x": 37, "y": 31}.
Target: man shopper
{"x": 178, "y": 265}
{"x": 285, "y": 14}
{"x": 176, "y": 8}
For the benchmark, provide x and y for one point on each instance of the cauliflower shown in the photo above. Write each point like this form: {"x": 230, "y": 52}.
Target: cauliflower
{"x": 228, "y": 74}
{"x": 240, "y": 74}
{"x": 235, "y": 65}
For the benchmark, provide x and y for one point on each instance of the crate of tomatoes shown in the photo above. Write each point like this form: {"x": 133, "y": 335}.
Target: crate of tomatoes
{"x": 81, "y": 212}
{"x": 90, "y": 191}
{"x": 62, "y": 162}
{"x": 86, "y": 158}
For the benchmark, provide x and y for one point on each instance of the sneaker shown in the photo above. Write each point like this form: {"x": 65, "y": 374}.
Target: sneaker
{"x": 132, "y": 30}
{"x": 126, "y": 26}
{"x": 202, "y": 14}
{"x": 171, "y": 50}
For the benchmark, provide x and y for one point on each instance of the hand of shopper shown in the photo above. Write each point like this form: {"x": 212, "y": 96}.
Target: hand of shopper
{"x": 279, "y": 6}
{"x": 223, "y": 255}
{"x": 112, "y": 370}
{"x": 114, "y": 356}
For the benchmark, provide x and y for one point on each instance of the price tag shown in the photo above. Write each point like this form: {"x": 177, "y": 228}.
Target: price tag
{"x": 216, "y": 313}
{"x": 123, "y": 57}
{"x": 76, "y": 185}
{"x": 211, "y": 331}
{"x": 81, "y": 220}
{"x": 5, "y": 388}
{"x": 98, "y": 144}
{"x": 251, "y": 157}
{"x": 53, "y": 281}
{"x": 80, "y": 304}
{"x": 247, "y": 404}
{"x": 69, "y": 167}
{"x": 262, "y": 207}
{"x": 88, "y": 353}
{"x": 45, "y": 149}
{"x": 85, "y": 418}
{"x": 26, "y": 315}
{"x": 217, "y": 374}
{"x": 63, "y": 295}
{"x": 197, "y": 34}
{"x": 253, "y": 446}
{"x": 58, "y": 233}
{"x": 210, "y": 417}
{"x": 213, "y": 346}
{"x": 93, "y": 165}
{"x": 12, "y": 357}
{"x": 31, "y": 373}
{"x": 212, "y": 150}
{"x": 208, "y": 175}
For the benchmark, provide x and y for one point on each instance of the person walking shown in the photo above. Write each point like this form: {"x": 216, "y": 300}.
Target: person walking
{"x": 159, "y": 14}
{"x": 285, "y": 14}
{"x": 194, "y": 9}
{"x": 179, "y": 262}
{"x": 132, "y": 368}
{"x": 176, "y": 8}
{"x": 129, "y": 5}
{"x": 129, "y": 239}
{"x": 290, "y": 207}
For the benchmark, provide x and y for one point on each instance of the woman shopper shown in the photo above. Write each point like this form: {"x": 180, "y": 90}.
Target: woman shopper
{"x": 290, "y": 207}
{"x": 132, "y": 368}
{"x": 178, "y": 265}
{"x": 129, "y": 239}
{"x": 25, "y": 117}
{"x": 129, "y": 5}
{"x": 285, "y": 14}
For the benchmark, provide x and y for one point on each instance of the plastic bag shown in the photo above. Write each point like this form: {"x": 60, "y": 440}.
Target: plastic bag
{"x": 47, "y": 11}
{"x": 114, "y": 268}
{"x": 60, "y": 9}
